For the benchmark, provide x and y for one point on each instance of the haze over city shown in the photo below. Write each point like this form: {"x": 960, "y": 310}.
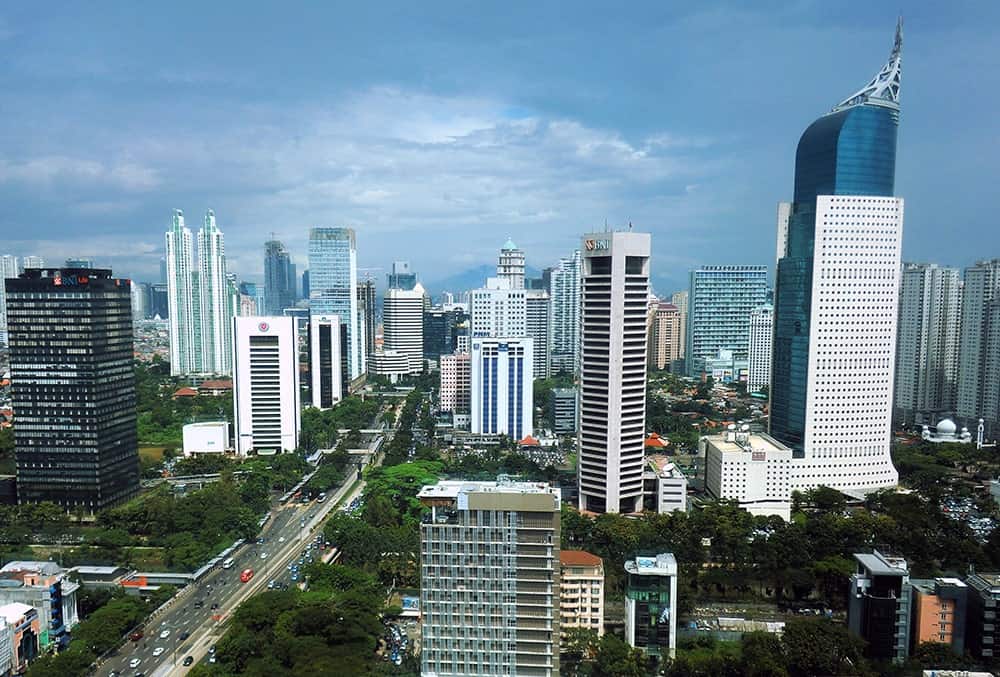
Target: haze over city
{"x": 437, "y": 131}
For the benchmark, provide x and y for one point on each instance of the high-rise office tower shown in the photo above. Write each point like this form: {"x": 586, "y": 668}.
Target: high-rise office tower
{"x": 403, "y": 324}
{"x": 510, "y": 265}
{"x": 441, "y": 328}
{"x": 401, "y": 276}
{"x": 564, "y": 291}
{"x": 720, "y": 299}
{"x": 139, "y": 295}
{"x": 325, "y": 371}
{"x": 73, "y": 388}
{"x": 215, "y": 300}
{"x": 456, "y": 383}
{"x": 159, "y": 300}
{"x": 181, "y": 297}
{"x": 279, "y": 279}
{"x": 333, "y": 288}
{"x": 613, "y": 370}
{"x": 265, "y": 384}
{"x": 759, "y": 359}
{"x": 498, "y": 310}
{"x": 501, "y": 387}
{"x": 680, "y": 299}
{"x": 979, "y": 349}
{"x": 9, "y": 268}
{"x": 665, "y": 337}
{"x": 305, "y": 284}
{"x": 163, "y": 270}
{"x": 32, "y": 262}
{"x": 487, "y": 608}
{"x": 367, "y": 310}
{"x": 837, "y": 293}
{"x": 927, "y": 342}
{"x": 537, "y": 312}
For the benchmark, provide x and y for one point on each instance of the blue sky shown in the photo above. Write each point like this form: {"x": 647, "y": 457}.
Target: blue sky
{"x": 438, "y": 129}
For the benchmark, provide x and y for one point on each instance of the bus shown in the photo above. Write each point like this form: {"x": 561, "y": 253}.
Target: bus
{"x": 246, "y": 575}
{"x": 228, "y": 564}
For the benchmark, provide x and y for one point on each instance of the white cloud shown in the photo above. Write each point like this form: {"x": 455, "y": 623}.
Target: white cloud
{"x": 56, "y": 169}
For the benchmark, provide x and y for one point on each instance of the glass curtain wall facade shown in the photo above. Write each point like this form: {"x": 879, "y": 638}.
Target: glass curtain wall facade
{"x": 333, "y": 288}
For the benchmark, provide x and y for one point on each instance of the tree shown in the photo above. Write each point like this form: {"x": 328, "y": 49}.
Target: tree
{"x": 762, "y": 655}
{"x": 615, "y": 658}
{"x": 940, "y": 656}
{"x": 819, "y": 647}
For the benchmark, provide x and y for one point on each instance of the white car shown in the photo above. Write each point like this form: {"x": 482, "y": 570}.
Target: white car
{"x": 281, "y": 540}
{"x": 263, "y": 555}
{"x": 164, "y": 634}
{"x": 158, "y": 651}
{"x": 134, "y": 663}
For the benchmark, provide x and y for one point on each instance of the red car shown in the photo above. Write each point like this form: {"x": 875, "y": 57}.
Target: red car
{"x": 246, "y": 575}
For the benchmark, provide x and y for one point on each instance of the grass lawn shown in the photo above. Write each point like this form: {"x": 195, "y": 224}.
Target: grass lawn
{"x": 151, "y": 454}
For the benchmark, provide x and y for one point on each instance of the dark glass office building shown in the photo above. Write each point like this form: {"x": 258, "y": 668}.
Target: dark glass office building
{"x": 849, "y": 151}
{"x": 441, "y": 330}
{"x": 73, "y": 387}
{"x": 279, "y": 279}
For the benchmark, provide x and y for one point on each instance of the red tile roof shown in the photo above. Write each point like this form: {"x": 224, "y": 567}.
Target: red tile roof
{"x": 186, "y": 392}
{"x": 219, "y": 384}
{"x": 529, "y": 441}
{"x": 654, "y": 440}
{"x": 579, "y": 558}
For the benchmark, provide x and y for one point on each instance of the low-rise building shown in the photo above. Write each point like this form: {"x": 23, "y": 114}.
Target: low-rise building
{"x": 664, "y": 485}
{"x": 939, "y": 612}
{"x": 564, "y": 411}
{"x": 391, "y": 364}
{"x": 651, "y": 604}
{"x": 581, "y": 594}
{"x": 19, "y": 633}
{"x": 878, "y": 608}
{"x": 752, "y": 468}
{"x": 43, "y": 586}
{"x": 207, "y": 437}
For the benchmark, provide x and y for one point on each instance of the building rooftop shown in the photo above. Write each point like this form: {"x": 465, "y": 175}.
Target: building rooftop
{"x": 218, "y": 384}
{"x": 14, "y": 611}
{"x": 579, "y": 558}
{"x": 206, "y": 424}
{"x": 878, "y": 564}
{"x": 663, "y": 564}
{"x": 744, "y": 441}
{"x": 654, "y": 440}
{"x": 452, "y": 488}
{"x": 564, "y": 392}
{"x": 42, "y": 567}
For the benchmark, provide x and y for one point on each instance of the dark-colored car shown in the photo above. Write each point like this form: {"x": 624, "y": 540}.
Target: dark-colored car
{"x": 184, "y": 635}
{"x": 188, "y": 661}
{"x": 136, "y": 635}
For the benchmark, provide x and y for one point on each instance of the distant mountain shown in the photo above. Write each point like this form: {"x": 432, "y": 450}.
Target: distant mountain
{"x": 473, "y": 278}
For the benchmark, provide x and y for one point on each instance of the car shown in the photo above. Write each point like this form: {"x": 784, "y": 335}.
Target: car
{"x": 211, "y": 659}
{"x": 263, "y": 555}
{"x": 199, "y": 604}
{"x": 134, "y": 663}
{"x": 215, "y": 606}
{"x": 184, "y": 635}
{"x": 281, "y": 540}
{"x": 211, "y": 649}
{"x": 164, "y": 634}
{"x": 114, "y": 673}
{"x": 188, "y": 660}
{"x": 158, "y": 651}
{"x": 137, "y": 635}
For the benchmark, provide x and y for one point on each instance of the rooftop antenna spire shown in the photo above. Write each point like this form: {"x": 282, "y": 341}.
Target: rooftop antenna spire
{"x": 883, "y": 89}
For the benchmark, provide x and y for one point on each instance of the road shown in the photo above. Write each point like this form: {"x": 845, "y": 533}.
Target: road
{"x": 296, "y": 523}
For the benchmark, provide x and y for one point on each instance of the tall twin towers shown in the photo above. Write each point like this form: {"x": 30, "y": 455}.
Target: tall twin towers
{"x": 201, "y": 298}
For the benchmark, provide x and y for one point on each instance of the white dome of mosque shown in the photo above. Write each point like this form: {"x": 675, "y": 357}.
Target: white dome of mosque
{"x": 946, "y": 427}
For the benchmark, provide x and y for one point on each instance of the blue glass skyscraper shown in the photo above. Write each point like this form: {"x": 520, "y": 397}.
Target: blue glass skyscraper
{"x": 333, "y": 282}
{"x": 828, "y": 292}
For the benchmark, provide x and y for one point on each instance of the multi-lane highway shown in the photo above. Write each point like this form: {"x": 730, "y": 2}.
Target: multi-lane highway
{"x": 196, "y": 618}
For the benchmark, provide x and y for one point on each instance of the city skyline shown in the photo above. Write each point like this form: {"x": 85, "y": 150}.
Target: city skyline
{"x": 690, "y": 177}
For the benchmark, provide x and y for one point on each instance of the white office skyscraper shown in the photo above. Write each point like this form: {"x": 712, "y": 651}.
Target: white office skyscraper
{"x": 32, "y": 262}
{"x": 403, "y": 324}
{"x": 326, "y": 386}
{"x": 979, "y": 351}
{"x": 510, "y": 265}
{"x": 181, "y": 297}
{"x": 564, "y": 290}
{"x": 759, "y": 360}
{"x": 215, "y": 303}
{"x": 613, "y": 370}
{"x": 501, "y": 386}
{"x": 537, "y": 314}
{"x": 333, "y": 288}
{"x": 266, "y": 384}
{"x": 927, "y": 342}
{"x": 498, "y": 310}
